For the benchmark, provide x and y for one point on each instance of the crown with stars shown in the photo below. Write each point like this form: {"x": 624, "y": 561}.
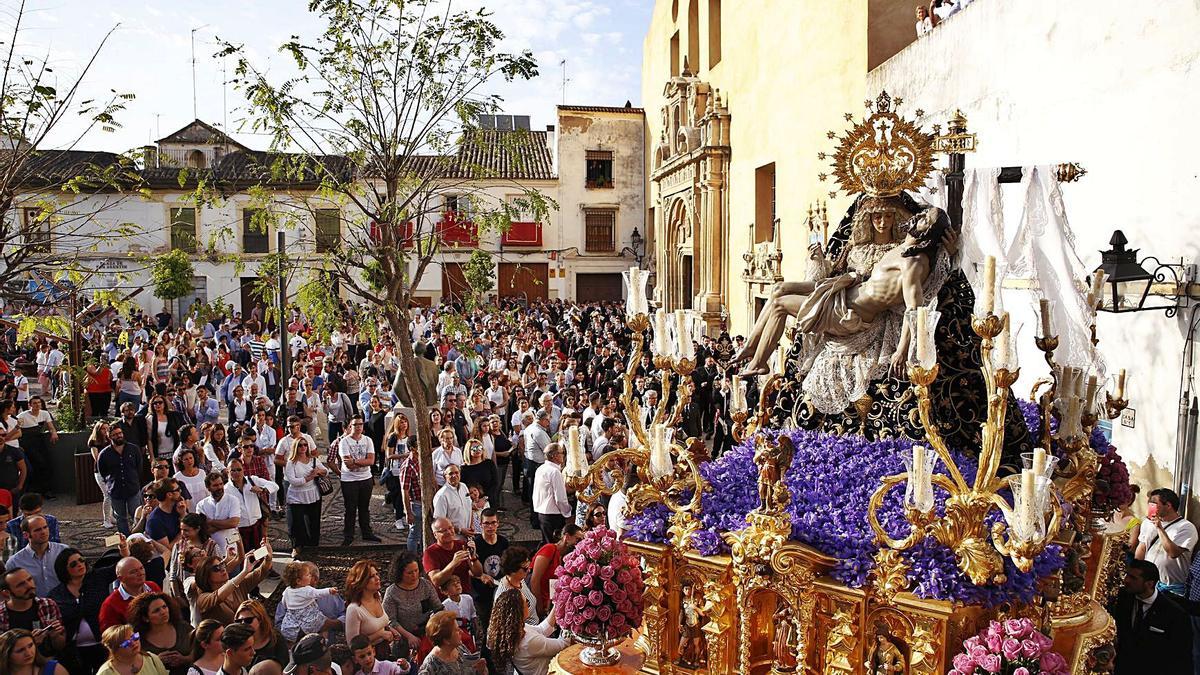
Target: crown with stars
{"x": 883, "y": 155}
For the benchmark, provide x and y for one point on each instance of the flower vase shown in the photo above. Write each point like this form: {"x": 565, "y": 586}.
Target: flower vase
{"x": 599, "y": 651}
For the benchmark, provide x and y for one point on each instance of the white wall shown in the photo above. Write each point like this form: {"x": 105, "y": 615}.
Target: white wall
{"x": 1114, "y": 86}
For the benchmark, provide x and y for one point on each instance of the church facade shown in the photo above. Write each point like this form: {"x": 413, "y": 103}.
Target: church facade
{"x": 737, "y": 104}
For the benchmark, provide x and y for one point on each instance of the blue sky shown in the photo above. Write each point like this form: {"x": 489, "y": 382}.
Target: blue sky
{"x": 149, "y": 54}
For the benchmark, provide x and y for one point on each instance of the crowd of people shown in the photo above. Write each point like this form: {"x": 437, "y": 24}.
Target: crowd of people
{"x": 937, "y": 11}
{"x": 200, "y": 439}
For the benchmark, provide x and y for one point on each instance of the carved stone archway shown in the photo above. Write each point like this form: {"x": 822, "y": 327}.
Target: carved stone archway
{"x": 688, "y": 180}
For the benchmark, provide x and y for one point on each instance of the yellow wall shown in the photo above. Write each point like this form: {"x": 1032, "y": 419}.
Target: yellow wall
{"x": 789, "y": 71}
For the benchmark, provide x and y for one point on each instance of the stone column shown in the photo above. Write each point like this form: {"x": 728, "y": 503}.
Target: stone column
{"x": 711, "y": 298}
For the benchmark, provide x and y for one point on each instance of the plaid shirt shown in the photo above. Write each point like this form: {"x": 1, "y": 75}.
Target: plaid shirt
{"x": 256, "y": 465}
{"x": 410, "y": 478}
{"x": 47, "y": 611}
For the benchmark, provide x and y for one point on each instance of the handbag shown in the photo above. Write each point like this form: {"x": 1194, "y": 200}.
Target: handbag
{"x": 324, "y": 485}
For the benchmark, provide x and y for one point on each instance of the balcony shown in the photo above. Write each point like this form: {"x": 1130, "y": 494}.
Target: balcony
{"x": 455, "y": 229}
{"x": 522, "y": 234}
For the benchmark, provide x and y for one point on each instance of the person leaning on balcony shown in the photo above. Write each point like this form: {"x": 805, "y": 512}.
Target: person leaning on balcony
{"x": 1167, "y": 540}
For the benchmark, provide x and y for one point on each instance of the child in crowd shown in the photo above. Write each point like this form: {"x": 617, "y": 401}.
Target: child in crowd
{"x": 363, "y": 660}
{"x": 302, "y": 614}
{"x": 479, "y": 502}
{"x": 461, "y": 605}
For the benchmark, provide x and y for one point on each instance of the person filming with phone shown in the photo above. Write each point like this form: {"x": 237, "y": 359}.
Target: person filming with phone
{"x": 1167, "y": 540}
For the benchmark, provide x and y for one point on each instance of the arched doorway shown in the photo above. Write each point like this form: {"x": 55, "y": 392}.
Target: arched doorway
{"x": 679, "y": 279}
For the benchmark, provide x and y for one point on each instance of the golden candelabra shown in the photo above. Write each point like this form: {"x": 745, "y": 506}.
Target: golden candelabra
{"x": 963, "y": 525}
{"x": 668, "y": 471}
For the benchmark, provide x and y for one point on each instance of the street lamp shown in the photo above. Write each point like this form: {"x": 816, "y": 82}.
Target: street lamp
{"x": 637, "y": 246}
{"x": 1129, "y": 284}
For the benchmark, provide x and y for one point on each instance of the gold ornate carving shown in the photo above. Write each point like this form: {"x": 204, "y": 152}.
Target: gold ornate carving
{"x": 890, "y": 576}
{"x": 924, "y": 647}
{"x": 721, "y": 629}
{"x": 842, "y": 643}
{"x": 883, "y": 155}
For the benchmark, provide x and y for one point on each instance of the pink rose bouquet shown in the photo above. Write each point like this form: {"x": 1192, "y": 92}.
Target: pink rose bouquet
{"x": 598, "y": 588}
{"x": 1012, "y": 647}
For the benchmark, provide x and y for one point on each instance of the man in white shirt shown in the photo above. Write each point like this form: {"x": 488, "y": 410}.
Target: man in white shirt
{"x": 357, "y": 453}
{"x": 536, "y": 437}
{"x": 453, "y": 502}
{"x": 54, "y": 362}
{"x": 224, "y": 511}
{"x": 1167, "y": 540}
{"x": 254, "y": 378}
{"x": 248, "y": 489}
{"x": 22, "y": 384}
{"x": 550, "y": 495}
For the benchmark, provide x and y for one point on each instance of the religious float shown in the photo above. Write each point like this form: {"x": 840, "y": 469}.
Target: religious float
{"x": 889, "y": 497}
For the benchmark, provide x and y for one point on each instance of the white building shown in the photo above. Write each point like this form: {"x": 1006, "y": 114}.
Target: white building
{"x": 592, "y": 169}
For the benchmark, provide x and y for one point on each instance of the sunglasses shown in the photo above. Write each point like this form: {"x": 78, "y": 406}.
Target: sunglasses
{"x": 128, "y": 642}
{"x": 246, "y": 620}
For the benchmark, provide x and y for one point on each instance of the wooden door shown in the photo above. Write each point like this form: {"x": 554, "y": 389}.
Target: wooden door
{"x": 597, "y": 287}
{"x": 524, "y": 280}
{"x": 454, "y": 283}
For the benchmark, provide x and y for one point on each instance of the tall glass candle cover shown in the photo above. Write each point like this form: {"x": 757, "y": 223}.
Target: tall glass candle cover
{"x": 918, "y": 491}
{"x": 684, "y": 348}
{"x": 922, "y": 347}
{"x": 661, "y": 465}
{"x": 635, "y": 283}
{"x": 662, "y": 344}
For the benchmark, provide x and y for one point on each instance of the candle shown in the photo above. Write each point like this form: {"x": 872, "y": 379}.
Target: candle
{"x": 1002, "y": 342}
{"x": 1046, "y": 330}
{"x": 922, "y": 336}
{"x": 572, "y": 466}
{"x": 576, "y": 457}
{"x": 1121, "y": 384}
{"x": 1028, "y": 489}
{"x": 1039, "y": 462}
{"x": 661, "y": 345}
{"x": 989, "y": 284}
{"x": 660, "y": 453}
{"x": 739, "y": 396}
{"x": 632, "y": 305}
{"x": 683, "y": 334}
{"x": 1073, "y": 428}
{"x": 919, "y": 475}
{"x": 1090, "y": 398}
{"x": 1097, "y": 294}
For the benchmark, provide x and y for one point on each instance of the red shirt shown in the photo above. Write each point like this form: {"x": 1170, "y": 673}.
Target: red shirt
{"x": 115, "y": 609}
{"x": 437, "y": 558}
{"x": 542, "y": 590}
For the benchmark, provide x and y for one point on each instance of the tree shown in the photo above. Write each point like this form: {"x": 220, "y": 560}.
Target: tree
{"x": 51, "y": 199}
{"x": 480, "y": 272}
{"x": 383, "y": 114}
{"x": 171, "y": 275}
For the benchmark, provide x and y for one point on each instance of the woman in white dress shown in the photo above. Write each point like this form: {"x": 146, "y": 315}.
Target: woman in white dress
{"x": 516, "y": 645}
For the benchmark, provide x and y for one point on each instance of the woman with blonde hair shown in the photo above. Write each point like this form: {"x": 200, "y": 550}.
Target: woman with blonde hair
{"x": 125, "y": 656}
{"x": 364, "y": 606}
{"x": 97, "y": 442}
{"x": 19, "y": 655}
{"x": 303, "y": 498}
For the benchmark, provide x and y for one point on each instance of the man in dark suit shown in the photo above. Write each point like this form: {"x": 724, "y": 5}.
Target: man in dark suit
{"x": 1154, "y": 634}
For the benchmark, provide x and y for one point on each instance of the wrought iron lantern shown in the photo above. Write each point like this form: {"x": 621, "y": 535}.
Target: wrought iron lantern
{"x": 1125, "y": 284}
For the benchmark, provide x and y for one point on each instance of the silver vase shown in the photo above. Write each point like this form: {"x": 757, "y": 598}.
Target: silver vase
{"x": 599, "y": 651}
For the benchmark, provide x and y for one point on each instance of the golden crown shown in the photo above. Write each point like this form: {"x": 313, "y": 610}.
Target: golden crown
{"x": 883, "y": 155}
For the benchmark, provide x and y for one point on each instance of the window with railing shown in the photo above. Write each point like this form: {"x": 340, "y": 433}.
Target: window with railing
{"x": 36, "y": 228}
{"x": 255, "y": 236}
{"x": 456, "y": 227}
{"x": 183, "y": 229}
{"x": 599, "y": 230}
{"x": 599, "y": 169}
{"x": 523, "y": 229}
{"x": 329, "y": 230}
